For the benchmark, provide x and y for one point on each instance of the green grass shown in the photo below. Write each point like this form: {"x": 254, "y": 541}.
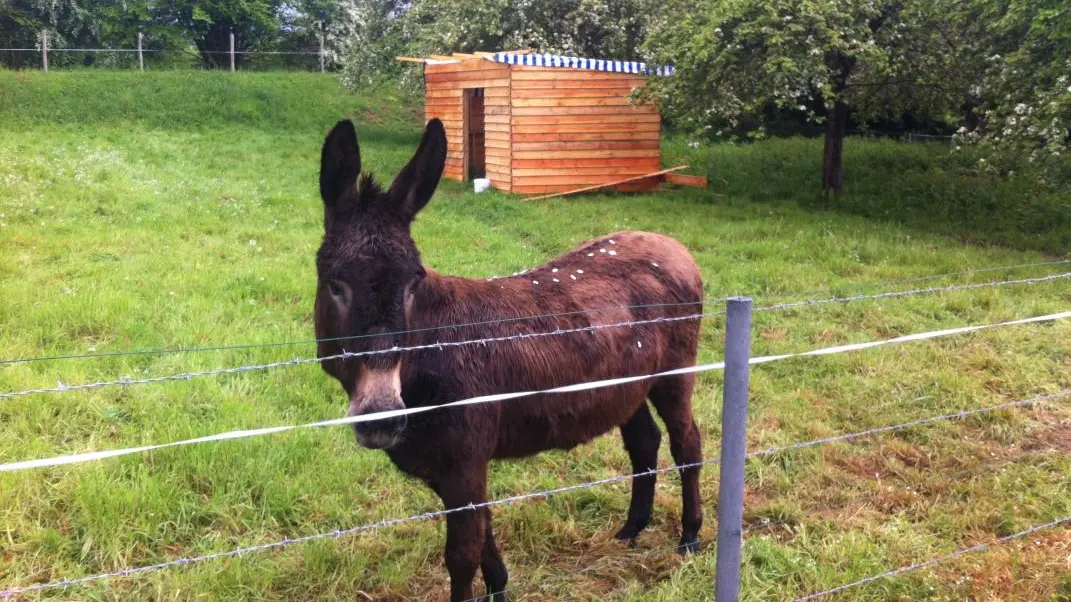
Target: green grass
{"x": 177, "y": 209}
{"x": 927, "y": 186}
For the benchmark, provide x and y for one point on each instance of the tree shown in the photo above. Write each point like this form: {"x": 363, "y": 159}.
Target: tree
{"x": 366, "y": 36}
{"x": 69, "y": 22}
{"x": 596, "y": 28}
{"x": 209, "y": 23}
{"x": 822, "y": 58}
{"x": 1024, "y": 97}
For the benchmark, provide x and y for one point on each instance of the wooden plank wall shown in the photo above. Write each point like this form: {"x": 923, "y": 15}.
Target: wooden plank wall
{"x": 573, "y": 128}
{"x": 444, "y": 87}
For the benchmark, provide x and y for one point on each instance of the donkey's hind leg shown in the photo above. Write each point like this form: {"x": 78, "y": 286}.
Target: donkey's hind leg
{"x": 642, "y": 438}
{"x": 672, "y": 397}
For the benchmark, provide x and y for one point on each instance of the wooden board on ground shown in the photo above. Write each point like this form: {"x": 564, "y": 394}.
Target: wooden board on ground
{"x": 685, "y": 180}
{"x": 656, "y": 176}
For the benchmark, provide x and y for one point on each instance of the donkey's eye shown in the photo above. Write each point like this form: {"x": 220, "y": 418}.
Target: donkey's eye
{"x": 336, "y": 289}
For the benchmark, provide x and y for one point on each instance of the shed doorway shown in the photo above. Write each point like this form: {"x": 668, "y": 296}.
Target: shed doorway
{"x": 475, "y": 139}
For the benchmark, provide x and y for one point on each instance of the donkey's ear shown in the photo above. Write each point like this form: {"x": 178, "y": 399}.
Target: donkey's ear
{"x": 415, "y": 184}
{"x": 340, "y": 163}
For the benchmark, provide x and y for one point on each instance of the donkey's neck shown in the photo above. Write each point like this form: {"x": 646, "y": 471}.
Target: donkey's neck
{"x": 437, "y": 301}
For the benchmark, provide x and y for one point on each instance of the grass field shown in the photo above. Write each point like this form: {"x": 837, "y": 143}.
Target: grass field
{"x": 180, "y": 209}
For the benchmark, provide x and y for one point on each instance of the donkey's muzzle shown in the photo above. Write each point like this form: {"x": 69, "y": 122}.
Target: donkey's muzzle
{"x": 380, "y": 434}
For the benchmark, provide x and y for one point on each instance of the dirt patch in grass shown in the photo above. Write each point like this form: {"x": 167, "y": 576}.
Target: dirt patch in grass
{"x": 1024, "y": 570}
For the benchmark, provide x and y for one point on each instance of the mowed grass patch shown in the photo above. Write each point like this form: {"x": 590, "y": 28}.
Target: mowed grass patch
{"x": 198, "y": 227}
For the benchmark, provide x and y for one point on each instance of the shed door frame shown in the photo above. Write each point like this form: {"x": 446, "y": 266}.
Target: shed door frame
{"x": 467, "y": 94}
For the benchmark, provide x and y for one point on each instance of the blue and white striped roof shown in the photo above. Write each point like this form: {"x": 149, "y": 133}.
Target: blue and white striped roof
{"x": 574, "y": 62}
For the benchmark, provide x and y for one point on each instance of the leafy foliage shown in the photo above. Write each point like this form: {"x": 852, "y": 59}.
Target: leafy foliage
{"x": 1024, "y": 96}
{"x": 735, "y": 58}
{"x": 603, "y": 28}
{"x": 70, "y": 23}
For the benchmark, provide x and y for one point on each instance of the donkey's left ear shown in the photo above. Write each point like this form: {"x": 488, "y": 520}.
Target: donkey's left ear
{"x": 414, "y": 185}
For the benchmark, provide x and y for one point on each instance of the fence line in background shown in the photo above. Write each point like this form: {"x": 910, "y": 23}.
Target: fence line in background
{"x": 231, "y": 52}
{"x": 935, "y": 561}
{"x": 63, "y": 388}
{"x": 500, "y": 397}
{"x": 136, "y": 352}
{"x": 338, "y": 533}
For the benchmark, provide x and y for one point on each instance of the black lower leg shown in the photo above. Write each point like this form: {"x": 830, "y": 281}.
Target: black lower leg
{"x": 494, "y": 570}
{"x": 642, "y": 438}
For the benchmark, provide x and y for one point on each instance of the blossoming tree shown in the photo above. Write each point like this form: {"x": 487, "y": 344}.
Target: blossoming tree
{"x": 823, "y": 58}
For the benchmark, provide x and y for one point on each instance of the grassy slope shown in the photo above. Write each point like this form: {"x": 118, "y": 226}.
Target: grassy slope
{"x": 921, "y": 185}
{"x": 144, "y": 211}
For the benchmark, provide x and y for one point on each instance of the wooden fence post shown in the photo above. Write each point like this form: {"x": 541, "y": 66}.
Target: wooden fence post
{"x": 141, "y": 58}
{"x": 232, "y": 51}
{"x": 323, "y": 63}
{"x": 44, "y": 49}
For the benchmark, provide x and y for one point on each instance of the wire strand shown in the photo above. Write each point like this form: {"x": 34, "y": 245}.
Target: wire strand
{"x": 764, "y": 525}
{"x": 500, "y": 397}
{"x": 63, "y": 388}
{"x": 242, "y": 346}
{"x": 338, "y": 533}
{"x": 938, "y": 560}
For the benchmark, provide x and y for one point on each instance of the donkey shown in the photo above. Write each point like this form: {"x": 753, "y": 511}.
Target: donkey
{"x": 374, "y": 294}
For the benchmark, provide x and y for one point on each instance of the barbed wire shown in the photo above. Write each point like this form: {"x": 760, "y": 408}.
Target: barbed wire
{"x": 63, "y": 388}
{"x": 338, "y": 533}
{"x": 367, "y": 336}
{"x": 242, "y": 346}
{"x": 939, "y": 559}
{"x": 500, "y": 397}
{"x": 765, "y": 524}
{"x": 905, "y": 425}
{"x": 349, "y": 355}
{"x": 922, "y": 291}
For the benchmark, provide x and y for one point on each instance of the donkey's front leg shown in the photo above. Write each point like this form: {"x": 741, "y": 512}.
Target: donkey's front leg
{"x": 465, "y": 529}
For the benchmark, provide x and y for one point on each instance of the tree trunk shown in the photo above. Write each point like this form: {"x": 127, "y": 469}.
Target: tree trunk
{"x": 833, "y": 156}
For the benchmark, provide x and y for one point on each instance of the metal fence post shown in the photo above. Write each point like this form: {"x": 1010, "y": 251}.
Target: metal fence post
{"x": 232, "y": 51}
{"x": 733, "y": 449}
{"x": 44, "y": 49}
{"x": 141, "y": 58}
{"x": 323, "y": 64}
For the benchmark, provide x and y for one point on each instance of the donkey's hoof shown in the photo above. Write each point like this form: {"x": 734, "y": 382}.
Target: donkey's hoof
{"x": 496, "y": 596}
{"x": 628, "y": 533}
{"x": 688, "y": 545}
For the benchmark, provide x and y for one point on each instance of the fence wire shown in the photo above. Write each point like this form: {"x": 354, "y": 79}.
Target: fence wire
{"x": 938, "y": 560}
{"x": 755, "y": 528}
{"x": 500, "y": 397}
{"x": 244, "y": 346}
{"x": 338, "y": 533}
{"x": 63, "y": 388}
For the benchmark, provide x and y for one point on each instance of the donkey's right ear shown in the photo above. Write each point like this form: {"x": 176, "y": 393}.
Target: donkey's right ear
{"x": 340, "y": 163}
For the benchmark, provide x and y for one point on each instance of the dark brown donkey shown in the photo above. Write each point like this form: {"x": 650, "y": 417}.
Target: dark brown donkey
{"x": 375, "y": 294}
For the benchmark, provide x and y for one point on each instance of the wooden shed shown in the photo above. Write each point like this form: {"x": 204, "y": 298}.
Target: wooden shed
{"x": 536, "y": 123}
